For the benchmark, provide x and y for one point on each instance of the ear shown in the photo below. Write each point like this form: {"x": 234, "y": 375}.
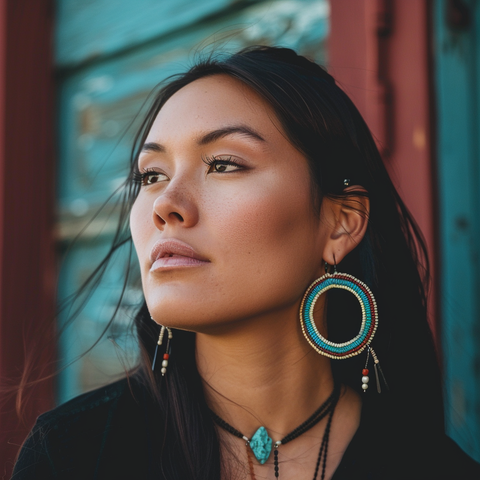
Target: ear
{"x": 346, "y": 220}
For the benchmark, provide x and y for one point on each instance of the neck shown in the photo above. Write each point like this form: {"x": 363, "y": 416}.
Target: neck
{"x": 262, "y": 371}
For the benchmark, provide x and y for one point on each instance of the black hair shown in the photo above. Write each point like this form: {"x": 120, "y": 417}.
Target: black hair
{"x": 324, "y": 125}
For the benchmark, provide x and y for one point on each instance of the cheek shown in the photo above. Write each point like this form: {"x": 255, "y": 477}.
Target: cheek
{"x": 268, "y": 243}
{"x": 269, "y": 214}
{"x": 140, "y": 226}
{"x": 264, "y": 223}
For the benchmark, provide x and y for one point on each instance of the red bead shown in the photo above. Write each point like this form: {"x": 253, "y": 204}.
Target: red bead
{"x": 166, "y": 356}
{"x": 365, "y": 372}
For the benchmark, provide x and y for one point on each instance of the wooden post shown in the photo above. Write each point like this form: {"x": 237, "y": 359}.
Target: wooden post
{"x": 27, "y": 284}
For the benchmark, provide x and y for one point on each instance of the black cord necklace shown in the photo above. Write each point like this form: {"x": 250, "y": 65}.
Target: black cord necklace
{"x": 261, "y": 444}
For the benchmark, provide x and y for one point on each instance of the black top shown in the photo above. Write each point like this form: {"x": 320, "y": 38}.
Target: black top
{"x": 109, "y": 434}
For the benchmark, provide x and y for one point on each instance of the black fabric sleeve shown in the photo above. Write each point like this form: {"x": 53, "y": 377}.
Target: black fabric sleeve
{"x": 68, "y": 442}
{"x": 34, "y": 461}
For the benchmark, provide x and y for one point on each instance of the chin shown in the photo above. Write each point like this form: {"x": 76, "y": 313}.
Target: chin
{"x": 193, "y": 314}
{"x": 179, "y": 311}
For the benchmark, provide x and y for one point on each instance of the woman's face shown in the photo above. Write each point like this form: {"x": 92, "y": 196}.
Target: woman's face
{"x": 224, "y": 224}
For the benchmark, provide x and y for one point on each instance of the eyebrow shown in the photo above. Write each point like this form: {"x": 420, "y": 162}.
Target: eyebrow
{"x": 225, "y": 131}
{"x": 211, "y": 137}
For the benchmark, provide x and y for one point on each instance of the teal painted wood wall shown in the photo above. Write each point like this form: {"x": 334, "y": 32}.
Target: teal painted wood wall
{"x": 109, "y": 55}
{"x": 457, "y": 63}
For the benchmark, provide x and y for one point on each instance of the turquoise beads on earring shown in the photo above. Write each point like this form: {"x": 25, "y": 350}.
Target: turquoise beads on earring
{"x": 368, "y": 326}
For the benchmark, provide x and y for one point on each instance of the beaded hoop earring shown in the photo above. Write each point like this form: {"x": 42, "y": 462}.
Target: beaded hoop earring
{"x": 358, "y": 344}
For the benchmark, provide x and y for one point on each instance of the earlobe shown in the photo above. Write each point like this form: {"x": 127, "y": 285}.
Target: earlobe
{"x": 347, "y": 223}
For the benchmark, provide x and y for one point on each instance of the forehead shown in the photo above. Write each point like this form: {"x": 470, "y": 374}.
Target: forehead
{"x": 214, "y": 102}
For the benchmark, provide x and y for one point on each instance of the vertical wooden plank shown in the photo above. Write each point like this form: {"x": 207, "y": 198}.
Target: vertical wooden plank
{"x": 26, "y": 210}
{"x": 347, "y": 49}
{"x": 456, "y": 55}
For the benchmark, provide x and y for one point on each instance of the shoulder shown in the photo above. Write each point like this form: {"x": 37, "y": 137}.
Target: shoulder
{"x": 390, "y": 451}
{"x": 90, "y": 404}
{"x": 460, "y": 464}
{"x": 75, "y": 437}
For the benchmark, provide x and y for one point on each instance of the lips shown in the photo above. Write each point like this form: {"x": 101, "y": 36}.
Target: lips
{"x": 170, "y": 253}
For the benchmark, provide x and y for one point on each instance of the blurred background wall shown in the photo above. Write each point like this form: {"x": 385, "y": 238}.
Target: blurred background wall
{"x": 73, "y": 77}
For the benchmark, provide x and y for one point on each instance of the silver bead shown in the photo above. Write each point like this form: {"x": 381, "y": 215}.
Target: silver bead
{"x": 365, "y": 379}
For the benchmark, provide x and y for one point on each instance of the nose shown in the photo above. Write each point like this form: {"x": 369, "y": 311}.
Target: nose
{"x": 176, "y": 206}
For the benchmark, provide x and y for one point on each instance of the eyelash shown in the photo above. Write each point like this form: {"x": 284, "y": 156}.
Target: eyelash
{"x": 213, "y": 161}
{"x": 142, "y": 176}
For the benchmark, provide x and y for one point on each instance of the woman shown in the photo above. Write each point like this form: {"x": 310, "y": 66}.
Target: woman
{"x": 253, "y": 177}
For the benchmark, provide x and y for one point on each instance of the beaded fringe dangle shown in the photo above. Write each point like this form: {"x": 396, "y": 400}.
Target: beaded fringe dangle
{"x": 166, "y": 355}
{"x": 365, "y": 372}
{"x": 378, "y": 372}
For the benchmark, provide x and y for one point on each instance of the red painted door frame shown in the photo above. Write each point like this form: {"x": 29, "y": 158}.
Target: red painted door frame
{"x": 27, "y": 269}
{"x": 380, "y": 53}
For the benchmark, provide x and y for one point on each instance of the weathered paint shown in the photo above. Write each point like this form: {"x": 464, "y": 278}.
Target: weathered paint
{"x": 89, "y": 30}
{"x": 98, "y": 99}
{"x": 457, "y": 66}
{"x": 27, "y": 262}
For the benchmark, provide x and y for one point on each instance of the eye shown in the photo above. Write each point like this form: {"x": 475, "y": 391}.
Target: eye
{"x": 221, "y": 167}
{"x": 149, "y": 176}
{"x": 221, "y": 164}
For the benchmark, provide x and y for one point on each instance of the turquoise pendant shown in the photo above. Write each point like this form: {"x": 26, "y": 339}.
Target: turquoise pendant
{"x": 261, "y": 445}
